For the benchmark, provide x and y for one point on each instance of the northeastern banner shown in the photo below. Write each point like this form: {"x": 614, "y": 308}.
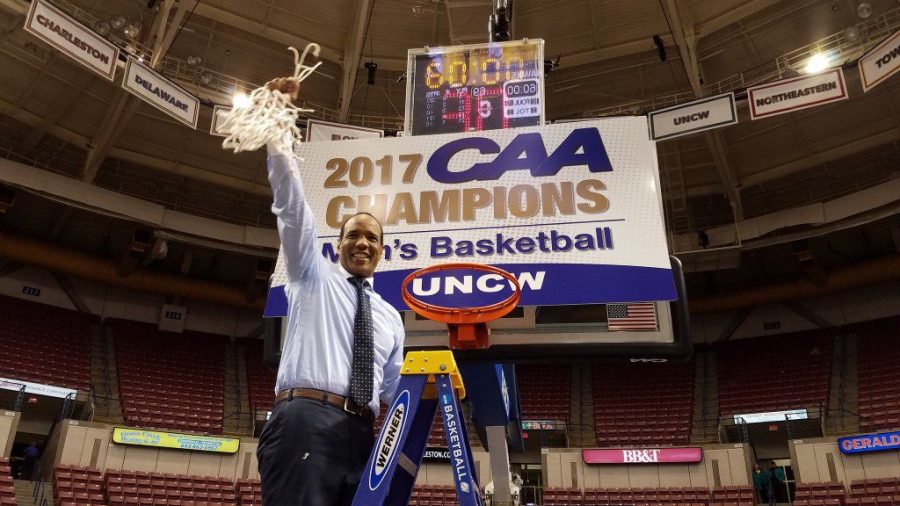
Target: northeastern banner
{"x": 573, "y": 210}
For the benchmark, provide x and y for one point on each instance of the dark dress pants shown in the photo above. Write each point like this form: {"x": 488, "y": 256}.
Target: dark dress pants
{"x": 312, "y": 454}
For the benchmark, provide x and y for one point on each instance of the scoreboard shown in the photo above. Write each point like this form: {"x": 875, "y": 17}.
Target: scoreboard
{"x": 477, "y": 87}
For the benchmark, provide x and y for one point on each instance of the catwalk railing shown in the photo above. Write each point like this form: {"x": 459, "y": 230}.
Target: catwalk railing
{"x": 19, "y": 398}
{"x": 106, "y": 409}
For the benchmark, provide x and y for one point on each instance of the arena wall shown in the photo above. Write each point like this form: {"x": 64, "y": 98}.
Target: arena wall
{"x": 90, "y": 445}
{"x": 819, "y": 460}
{"x": 722, "y": 465}
{"x": 9, "y": 424}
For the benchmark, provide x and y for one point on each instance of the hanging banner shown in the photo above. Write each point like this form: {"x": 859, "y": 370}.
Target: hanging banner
{"x": 798, "y": 93}
{"x": 36, "y": 388}
{"x": 176, "y": 441}
{"x": 64, "y": 33}
{"x": 689, "y": 455}
{"x": 317, "y": 130}
{"x": 219, "y": 115}
{"x": 693, "y": 117}
{"x": 572, "y": 210}
{"x": 160, "y": 92}
{"x": 880, "y": 62}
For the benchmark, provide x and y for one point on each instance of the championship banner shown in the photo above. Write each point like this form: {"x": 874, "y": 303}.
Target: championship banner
{"x": 317, "y": 130}
{"x": 880, "y": 62}
{"x": 175, "y": 441}
{"x": 791, "y": 95}
{"x": 158, "y": 91}
{"x": 64, "y": 33}
{"x": 692, "y": 117}
{"x": 572, "y": 210}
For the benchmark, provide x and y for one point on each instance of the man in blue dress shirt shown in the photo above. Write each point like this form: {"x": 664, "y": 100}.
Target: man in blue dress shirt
{"x": 342, "y": 352}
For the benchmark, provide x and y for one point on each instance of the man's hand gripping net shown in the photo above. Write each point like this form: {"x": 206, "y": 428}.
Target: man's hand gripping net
{"x": 270, "y": 116}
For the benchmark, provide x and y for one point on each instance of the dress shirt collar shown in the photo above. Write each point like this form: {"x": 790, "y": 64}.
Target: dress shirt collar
{"x": 347, "y": 275}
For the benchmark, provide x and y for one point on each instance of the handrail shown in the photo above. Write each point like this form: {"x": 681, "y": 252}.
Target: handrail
{"x": 20, "y": 396}
{"x": 38, "y": 491}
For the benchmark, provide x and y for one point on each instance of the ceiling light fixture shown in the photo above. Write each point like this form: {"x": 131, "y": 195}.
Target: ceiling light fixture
{"x": 240, "y": 100}
{"x": 132, "y": 31}
{"x": 852, "y": 33}
{"x": 816, "y": 63}
{"x": 193, "y": 61}
{"x": 102, "y": 28}
{"x": 118, "y": 22}
{"x": 864, "y": 10}
{"x": 206, "y": 78}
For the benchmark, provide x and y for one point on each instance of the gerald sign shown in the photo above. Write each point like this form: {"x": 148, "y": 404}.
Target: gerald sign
{"x": 870, "y": 442}
{"x": 572, "y": 210}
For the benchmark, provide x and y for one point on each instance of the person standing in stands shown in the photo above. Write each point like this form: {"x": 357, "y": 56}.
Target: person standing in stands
{"x": 774, "y": 480}
{"x": 342, "y": 352}
{"x": 30, "y": 458}
{"x": 759, "y": 483}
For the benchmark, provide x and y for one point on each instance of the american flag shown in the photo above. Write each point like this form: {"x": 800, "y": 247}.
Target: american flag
{"x": 632, "y": 316}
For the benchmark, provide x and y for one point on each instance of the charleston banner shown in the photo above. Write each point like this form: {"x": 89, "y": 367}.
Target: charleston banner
{"x": 573, "y": 210}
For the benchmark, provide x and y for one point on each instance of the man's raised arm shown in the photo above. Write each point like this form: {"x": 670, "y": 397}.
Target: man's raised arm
{"x": 296, "y": 222}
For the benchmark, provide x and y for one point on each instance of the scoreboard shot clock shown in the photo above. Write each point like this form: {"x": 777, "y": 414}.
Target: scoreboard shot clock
{"x": 475, "y": 87}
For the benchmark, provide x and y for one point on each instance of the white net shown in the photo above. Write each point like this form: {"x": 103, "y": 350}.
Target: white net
{"x": 269, "y": 115}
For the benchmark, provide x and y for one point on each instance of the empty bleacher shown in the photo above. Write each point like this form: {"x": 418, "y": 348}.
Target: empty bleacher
{"x": 733, "y": 496}
{"x": 433, "y": 495}
{"x": 77, "y": 486}
{"x": 641, "y": 404}
{"x": 774, "y": 373}
{"x": 876, "y": 492}
{"x": 879, "y": 377}
{"x": 7, "y": 490}
{"x": 819, "y": 494}
{"x": 260, "y": 379}
{"x": 156, "y": 489}
{"x": 544, "y": 391}
{"x": 170, "y": 381}
{"x": 687, "y": 496}
{"x": 249, "y": 493}
{"x": 44, "y": 344}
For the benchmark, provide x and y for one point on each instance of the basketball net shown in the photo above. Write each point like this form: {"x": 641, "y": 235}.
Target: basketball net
{"x": 270, "y": 115}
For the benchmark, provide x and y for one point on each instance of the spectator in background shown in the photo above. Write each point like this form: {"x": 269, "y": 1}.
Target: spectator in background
{"x": 775, "y": 479}
{"x": 29, "y": 461}
{"x": 760, "y": 478}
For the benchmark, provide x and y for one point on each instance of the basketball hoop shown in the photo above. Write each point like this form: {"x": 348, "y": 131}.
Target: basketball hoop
{"x": 467, "y": 325}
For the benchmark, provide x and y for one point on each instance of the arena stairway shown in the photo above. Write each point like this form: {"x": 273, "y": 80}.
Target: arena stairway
{"x": 105, "y": 376}
{"x": 843, "y": 398}
{"x": 24, "y": 490}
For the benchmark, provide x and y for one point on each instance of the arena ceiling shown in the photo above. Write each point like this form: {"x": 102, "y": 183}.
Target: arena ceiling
{"x": 58, "y": 116}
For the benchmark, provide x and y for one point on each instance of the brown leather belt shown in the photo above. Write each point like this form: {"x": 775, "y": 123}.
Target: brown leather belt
{"x": 338, "y": 401}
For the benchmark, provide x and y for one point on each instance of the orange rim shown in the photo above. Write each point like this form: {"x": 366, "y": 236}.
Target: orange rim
{"x": 461, "y": 315}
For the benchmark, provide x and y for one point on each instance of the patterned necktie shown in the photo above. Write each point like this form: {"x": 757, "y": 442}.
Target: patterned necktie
{"x": 361, "y": 370}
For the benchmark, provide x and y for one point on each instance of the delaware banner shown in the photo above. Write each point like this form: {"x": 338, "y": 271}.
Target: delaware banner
{"x": 573, "y": 210}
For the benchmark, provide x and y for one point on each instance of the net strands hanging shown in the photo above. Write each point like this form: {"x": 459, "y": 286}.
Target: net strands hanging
{"x": 270, "y": 115}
